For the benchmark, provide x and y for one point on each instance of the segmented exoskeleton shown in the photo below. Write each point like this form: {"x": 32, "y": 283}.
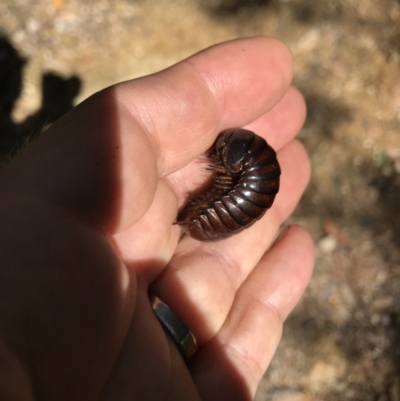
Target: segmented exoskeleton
{"x": 245, "y": 182}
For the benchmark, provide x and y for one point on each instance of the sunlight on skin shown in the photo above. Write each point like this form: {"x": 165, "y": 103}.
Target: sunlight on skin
{"x": 87, "y": 212}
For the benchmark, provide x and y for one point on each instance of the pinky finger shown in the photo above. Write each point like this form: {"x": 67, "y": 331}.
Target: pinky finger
{"x": 231, "y": 365}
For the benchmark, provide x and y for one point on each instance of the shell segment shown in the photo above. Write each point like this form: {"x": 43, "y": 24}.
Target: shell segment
{"x": 246, "y": 181}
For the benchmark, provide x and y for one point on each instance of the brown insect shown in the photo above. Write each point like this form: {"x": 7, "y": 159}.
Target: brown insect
{"x": 245, "y": 182}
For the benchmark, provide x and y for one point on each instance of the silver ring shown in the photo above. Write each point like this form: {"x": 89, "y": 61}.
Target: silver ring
{"x": 183, "y": 337}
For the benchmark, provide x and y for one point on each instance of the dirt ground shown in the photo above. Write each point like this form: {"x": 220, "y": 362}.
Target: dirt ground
{"x": 343, "y": 340}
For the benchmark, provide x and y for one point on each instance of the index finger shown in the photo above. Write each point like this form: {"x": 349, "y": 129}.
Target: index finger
{"x": 103, "y": 160}
{"x": 228, "y": 85}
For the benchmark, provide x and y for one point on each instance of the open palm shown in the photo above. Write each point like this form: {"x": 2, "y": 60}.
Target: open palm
{"x": 86, "y": 233}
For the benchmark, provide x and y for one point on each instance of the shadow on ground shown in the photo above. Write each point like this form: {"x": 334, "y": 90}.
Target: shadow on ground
{"x": 58, "y": 96}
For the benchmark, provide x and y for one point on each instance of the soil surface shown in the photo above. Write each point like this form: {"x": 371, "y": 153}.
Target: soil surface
{"x": 343, "y": 340}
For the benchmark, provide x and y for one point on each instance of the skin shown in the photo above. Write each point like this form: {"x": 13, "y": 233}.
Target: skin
{"x": 86, "y": 232}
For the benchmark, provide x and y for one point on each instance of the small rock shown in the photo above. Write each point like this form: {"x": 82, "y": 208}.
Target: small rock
{"x": 325, "y": 375}
{"x": 33, "y": 25}
{"x": 327, "y": 244}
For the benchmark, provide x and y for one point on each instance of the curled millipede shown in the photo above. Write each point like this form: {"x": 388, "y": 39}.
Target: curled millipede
{"x": 245, "y": 182}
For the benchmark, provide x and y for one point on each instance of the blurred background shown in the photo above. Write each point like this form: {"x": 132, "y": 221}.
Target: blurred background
{"x": 343, "y": 340}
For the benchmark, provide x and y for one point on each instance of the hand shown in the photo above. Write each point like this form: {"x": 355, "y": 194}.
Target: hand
{"x": 86, "y": 229}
